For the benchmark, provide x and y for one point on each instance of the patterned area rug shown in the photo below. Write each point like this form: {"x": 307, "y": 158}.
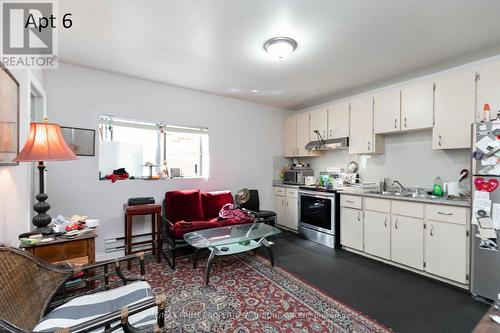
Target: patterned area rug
{"x": 246, "y": 294}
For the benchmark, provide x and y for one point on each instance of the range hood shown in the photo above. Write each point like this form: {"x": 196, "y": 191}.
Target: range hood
{"x": 329, "y": 144}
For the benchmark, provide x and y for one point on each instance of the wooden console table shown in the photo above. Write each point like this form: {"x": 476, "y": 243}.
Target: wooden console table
{"x": 76, "y": 251}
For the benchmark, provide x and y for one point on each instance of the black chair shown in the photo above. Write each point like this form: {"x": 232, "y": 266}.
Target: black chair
{"x": 253, "y": 206}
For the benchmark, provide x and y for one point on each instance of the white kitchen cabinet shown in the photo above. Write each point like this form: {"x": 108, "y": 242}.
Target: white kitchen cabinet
{"x": 351, "y": 228}
{"x": 417, "y": 106}
{"x": 290, "y": 136}
{"x": 292, "y": 216}
{"x": 407, "y": 241}
{"x": 387, "y": 111}
{"x": 296, "y": 136}
{"x": 446, "y": 250}
{"x": 286, "y": 207}
{"x": 303, "y": 131}
{"x": 279, "y": 208}
{"x": 377, "y": 234}
{"x": 338, "y": 121}
{"x": 319, "y": 122}
{"x": 454, "y": 110}
{"x": 361, "y": 137}
{"x": 488, "y": 88}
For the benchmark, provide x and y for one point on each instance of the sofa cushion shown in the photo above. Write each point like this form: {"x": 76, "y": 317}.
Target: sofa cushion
{"x": 85, "y": 308}
{"x": 212, "y": 202}
{"x": 183, "y": 227}
{"x": 183, "y": 206}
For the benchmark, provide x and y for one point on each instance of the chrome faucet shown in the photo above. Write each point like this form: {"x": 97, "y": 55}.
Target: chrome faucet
{"x": 400, "y": 185}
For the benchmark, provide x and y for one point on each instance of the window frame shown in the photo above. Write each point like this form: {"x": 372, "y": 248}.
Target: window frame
{"x": 161, "y": 152}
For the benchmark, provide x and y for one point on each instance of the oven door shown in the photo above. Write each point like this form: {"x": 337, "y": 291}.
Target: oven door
{"x": 317, "y": 212}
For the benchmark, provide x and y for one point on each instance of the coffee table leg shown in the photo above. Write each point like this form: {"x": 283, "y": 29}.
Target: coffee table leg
{"x": 209, "y": 264}
{"x": 267, "y": 244}
{"x": 195, "y": 257}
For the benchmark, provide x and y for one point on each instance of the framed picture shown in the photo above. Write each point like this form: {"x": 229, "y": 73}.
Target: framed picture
{"x": 9, "y": 117}
{"x": 80, "y": 140}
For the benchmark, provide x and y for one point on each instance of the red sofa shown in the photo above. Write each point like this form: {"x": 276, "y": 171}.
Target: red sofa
{"x": 191, "y": 210}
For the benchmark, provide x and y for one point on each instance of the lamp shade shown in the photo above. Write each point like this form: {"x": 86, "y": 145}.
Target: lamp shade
{"x": 45, "y": 143}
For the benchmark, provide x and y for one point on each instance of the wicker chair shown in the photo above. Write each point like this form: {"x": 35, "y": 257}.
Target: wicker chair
{"x": 31, "y": 287}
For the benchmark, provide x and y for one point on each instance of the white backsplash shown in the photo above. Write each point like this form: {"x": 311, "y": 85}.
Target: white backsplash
{"x": 408, "y": 157}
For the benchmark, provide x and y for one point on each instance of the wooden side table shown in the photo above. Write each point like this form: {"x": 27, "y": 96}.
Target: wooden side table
{"x": 76, "y": 251}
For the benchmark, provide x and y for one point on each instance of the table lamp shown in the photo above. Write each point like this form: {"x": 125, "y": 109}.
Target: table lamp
{"x": 45, "y": 143}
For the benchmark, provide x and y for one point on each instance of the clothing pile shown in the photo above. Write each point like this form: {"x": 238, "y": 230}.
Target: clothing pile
{"x": 118, "y": 174}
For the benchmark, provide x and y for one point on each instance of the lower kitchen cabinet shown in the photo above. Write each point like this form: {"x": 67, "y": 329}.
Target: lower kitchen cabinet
{"x": 377, "y": 234}
{"x": 280, "y": 209}
{"x": 432, "y": 239}
{"x": 351, "y": 228}
{"x": 286, "y": 206}
{"x": 446, "y": 250}
{"x": 407, "y": 241}
{"x": 292, "y": 215}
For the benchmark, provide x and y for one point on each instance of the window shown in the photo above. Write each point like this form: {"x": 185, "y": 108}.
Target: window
{"x": 148, "y": 150}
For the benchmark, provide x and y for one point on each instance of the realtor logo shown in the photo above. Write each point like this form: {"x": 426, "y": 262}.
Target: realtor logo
{"x": 28, "y": 40}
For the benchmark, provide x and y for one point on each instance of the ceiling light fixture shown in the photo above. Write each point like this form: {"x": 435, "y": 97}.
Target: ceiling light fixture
{"x": 254, "y": 90}
{"x": 280, "y": 47}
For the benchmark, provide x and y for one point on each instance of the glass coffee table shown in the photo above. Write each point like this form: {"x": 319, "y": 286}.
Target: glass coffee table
{"x": 230, "y": 240}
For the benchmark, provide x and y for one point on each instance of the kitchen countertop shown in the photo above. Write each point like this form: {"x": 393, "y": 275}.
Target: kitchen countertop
{"x": 364, "y": 193}
{"x": 279, "y": 183}
{"x": 437, "y": 201}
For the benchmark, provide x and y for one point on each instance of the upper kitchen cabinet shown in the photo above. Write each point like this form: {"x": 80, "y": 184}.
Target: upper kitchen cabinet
{"x": 296, "y": 136}
{"x": 319, "y": 122}
{"x": 454, "y": 110}
{"x": 362, "y": 140}
{"x": 387, "y": 111}
{"x": 290, "y": 136}
{"x": 417, "y": 106}
{"x": 488, "y": 88}
{"x": 338, "y": 121}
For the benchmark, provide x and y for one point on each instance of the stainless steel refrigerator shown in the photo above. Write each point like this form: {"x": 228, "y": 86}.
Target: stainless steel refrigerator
{"x": 485, "y": 254}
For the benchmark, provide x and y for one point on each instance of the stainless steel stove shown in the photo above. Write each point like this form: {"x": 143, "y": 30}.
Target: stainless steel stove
{"x": 319, "y": 215}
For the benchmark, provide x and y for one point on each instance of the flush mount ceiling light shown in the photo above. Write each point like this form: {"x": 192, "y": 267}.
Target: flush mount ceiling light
{"x": 280, "y": 47}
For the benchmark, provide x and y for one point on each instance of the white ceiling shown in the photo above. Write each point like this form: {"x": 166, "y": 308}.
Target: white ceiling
{"x": 216, "y": 45}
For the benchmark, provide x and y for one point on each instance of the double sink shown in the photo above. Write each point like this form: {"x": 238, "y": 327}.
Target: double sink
{"x": 407, "y": 194}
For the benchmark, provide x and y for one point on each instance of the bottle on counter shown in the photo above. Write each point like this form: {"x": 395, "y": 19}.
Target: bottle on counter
{"x": 437, "y": 189}
{"x": 486, "y": 112}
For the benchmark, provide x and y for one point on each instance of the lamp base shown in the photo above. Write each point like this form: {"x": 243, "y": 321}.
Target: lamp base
{"x": 41, "y": 219}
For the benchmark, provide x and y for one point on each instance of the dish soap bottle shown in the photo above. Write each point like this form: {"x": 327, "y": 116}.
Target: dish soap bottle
{"x": 437, "y": 189}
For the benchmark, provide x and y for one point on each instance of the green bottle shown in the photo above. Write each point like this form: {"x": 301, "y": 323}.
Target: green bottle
{"x": 437, "y": 189}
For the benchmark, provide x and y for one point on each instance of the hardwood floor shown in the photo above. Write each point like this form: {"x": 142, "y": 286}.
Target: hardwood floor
{"x": 401, "y": 300}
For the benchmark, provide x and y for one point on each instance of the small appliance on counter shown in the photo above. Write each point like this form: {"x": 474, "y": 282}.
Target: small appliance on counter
{"x": 310, "y": 181}
{"x": 297, "y": 175}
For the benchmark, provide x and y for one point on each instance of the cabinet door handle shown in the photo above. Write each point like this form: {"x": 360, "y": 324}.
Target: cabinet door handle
{"x": 395, "y": 122}
{"x": 331, "y": 133}
{"x": 287, "y": 203}
{"x": 396, "y": 224}
{"x": 359, "y": 216}
{"x": 349, "y": 201}
{"x": 324, "y": 134}
{"x": 385, "y": 222}
{"x": 283, "y": 202}
{"x": 405, "y": 122}
{"x": 447, "y": 214}
{"x": 368, "y": 145}
{"x": 431, "y": 231}
{"x": 439, "y": 140}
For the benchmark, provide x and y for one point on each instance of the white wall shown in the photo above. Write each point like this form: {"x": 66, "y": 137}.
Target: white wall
{"x": 243, "y": 139}
{"x": 15, "y": 181}
{"x": 408, "y": 157}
